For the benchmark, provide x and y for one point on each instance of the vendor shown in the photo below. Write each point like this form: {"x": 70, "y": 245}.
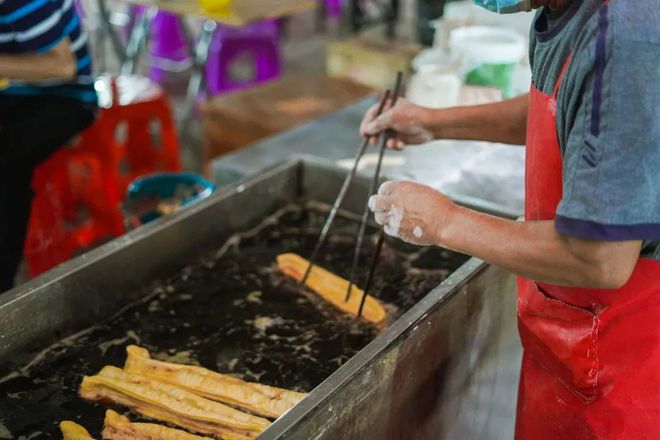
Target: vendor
{"x": 46, "y": 97}
{"x": 587, "y": 253}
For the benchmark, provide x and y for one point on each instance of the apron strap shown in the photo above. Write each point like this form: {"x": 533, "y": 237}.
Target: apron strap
{"x": 561, "y": 75}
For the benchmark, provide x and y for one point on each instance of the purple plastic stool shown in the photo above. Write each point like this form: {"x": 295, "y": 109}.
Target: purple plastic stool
{"x": 167, "y": 44}
{"x": 260, "y": 40}
{"x": 333, "y": 8}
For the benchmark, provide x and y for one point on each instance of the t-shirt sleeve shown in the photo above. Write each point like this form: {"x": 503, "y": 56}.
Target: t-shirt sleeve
{"x": 611, "y": 172}
{"x": 38, "y": 25}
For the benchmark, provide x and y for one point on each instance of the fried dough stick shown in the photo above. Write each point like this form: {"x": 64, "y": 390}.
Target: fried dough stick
{"x": 333, "y": 289}
{"x": 260, "y": 399}
{"x": 118, "y": 427}
{"x": 161, "y": 401}
{"x": 73, "y": 431}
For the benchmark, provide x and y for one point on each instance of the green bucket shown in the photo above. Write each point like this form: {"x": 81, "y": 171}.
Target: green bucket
{"x": 489, "y": 55}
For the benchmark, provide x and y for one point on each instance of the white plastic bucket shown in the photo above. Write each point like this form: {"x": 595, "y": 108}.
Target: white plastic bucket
{"x": 434, "y": 87}
{"x": 489, "y": 54}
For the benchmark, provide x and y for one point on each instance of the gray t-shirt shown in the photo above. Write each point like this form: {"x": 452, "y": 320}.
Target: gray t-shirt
{"x": 608, "y": 115}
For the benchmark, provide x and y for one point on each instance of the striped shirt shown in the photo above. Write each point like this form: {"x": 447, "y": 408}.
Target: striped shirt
{"x": 36, "y": 26}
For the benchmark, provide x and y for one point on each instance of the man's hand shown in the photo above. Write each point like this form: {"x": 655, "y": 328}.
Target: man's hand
{"x": 423, "y": 216}
{"x": 410, "y": 124}
{"x": 405, "y": 120}
{"x": 413, "y": 212}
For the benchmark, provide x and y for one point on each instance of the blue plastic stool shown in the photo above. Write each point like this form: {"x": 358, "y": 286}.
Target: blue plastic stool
{"x": 155, "y": 195}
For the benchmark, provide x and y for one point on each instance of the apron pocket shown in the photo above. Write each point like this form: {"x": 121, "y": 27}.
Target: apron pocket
{"x": 561, "y": 337}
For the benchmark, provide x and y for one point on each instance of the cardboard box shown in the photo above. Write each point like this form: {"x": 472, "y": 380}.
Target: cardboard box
{"x": 369, "y": 61}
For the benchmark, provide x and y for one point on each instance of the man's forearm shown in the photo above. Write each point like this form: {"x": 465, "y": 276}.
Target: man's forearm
{"x": 537, "y": 251}
{"x": 58, "y": 63}
{"x": 504, "y": 121}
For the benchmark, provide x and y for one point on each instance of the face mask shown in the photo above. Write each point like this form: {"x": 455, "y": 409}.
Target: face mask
{"x": 505, "y": 6}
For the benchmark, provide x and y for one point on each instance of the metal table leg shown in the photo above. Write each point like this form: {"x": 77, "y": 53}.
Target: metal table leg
{"x": 200, "y": 53}
{"x": 109, "y": 31}
{"x": 137, "y": 41}
{"x": 196, "y": 85}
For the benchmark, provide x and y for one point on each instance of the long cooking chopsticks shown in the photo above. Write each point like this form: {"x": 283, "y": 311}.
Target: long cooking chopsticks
{"x": 384, "y": 138}
{"x": 342, "y": 194}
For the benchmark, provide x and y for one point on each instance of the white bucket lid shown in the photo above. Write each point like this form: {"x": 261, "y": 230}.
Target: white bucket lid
{"x": 487, "y": 44}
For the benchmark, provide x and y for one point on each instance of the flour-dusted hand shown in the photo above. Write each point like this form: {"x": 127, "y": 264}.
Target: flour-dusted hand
{"x": 413, "y": 212}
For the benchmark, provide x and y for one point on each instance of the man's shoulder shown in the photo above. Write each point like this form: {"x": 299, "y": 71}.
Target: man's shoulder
{"x": 615, "y": 23}
{"x": 634, "y": 20}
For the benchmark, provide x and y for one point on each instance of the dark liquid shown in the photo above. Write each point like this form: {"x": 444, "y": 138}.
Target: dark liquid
{"x": 230, "y": 311}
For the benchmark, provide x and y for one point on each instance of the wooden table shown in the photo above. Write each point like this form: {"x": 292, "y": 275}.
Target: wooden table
{"x": 233, "y": 121}
{"x": 239, "y": 13}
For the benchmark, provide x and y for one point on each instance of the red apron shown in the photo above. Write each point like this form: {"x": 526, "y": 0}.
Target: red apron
{"x": 591, "y": 362}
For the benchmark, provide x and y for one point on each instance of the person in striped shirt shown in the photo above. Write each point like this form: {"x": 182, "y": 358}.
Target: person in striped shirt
{"x": 47, "y": 96}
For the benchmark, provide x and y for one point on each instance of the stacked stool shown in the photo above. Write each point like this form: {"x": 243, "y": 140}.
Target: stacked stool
{"x": 79, "y": 190}
{"x": 71, "y": 210}
{"x": 135, "y": 133}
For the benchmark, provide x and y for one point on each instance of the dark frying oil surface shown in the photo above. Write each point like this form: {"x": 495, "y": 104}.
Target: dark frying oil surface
{"x": 231, "y": 311}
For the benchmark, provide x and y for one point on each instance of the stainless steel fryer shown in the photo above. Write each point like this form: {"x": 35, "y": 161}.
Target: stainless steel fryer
{"x": 445, "y": 369}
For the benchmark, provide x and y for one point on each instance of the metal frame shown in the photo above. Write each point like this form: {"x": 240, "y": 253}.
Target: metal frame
{"x": 199, "y": 51}
{"x": 138, "y": 38}
{"x": 109, "y": 31}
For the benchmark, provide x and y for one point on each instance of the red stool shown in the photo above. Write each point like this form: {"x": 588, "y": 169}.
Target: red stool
{"x": 71, "y": 210}
{"x": 79, "y": 190}
{"x": 135, "y": 133}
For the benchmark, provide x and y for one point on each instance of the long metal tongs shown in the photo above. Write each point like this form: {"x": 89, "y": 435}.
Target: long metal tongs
{"x": 342, "y": 194}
